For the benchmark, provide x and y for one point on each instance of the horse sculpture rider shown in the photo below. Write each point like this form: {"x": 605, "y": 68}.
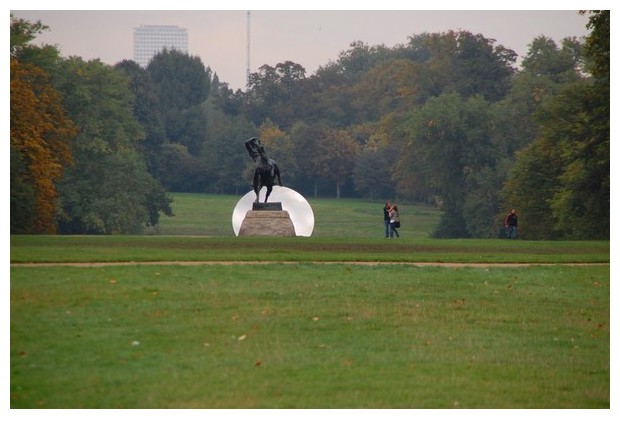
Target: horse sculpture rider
{"x": 266, "y": 170}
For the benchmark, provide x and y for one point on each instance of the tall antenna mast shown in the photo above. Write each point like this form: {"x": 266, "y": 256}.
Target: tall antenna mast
{"x": 247, "y": 52}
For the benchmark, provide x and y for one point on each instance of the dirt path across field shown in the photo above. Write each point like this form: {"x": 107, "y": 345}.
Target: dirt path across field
{"x": 369, "y": 263}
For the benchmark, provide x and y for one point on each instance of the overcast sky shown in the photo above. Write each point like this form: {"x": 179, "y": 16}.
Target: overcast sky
{"x": 308, "y": 37}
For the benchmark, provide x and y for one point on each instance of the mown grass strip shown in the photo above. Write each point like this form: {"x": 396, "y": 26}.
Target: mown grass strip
{"x": 26, "y": 249}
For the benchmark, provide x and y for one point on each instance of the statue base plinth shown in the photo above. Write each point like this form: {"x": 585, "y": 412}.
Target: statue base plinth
{"x": 267, "y": 206}
{"x": 271, "y": 221}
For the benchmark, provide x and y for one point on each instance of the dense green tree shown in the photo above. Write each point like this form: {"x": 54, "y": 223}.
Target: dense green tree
{"x": 108, "y": 190}
{"x": 98, "y": 100}
{"x": 449, "y": 145}
{"x": 367, "y": 82}
{"x": 229, "y": 102}
{"x": 22, "y": 34}
{"x": 516, "y": 127}
{"x": 597, "y": 145}
{"x": 170, "y": 98}
{"x": 545, "y": 59}
{"x": 570, "y": 158}
{"x": 275, "y": 93}
{"x": 305, "y": 139}
{"x": 376, "y": 156}
{"x": 389, "y": 86}
{"x": 393, "y": 135}
{"x": 182, "y": 85}
{"x": 353, "y": 63}
{"x": 187, "y": 127}
{"x": 467, "y": 63}
{"x": 597, "y": 46}
{"x": 486, "y": 68}
{"x": 179, "y": 170}
{"x": 372, "y": 173}
{"x": 115, "y": 196}
{"x": 181, "y": 81}
{"x": 23, "y": 196}
{"x": 530, "y": 187}
{"x": 336, "y": 87}
{"x": 174, "y": 134}
{"x": 146, "y": 110}
{"x": 580, "y": 202}
{"x": 546, "y": 69}
{"x": 335, "y": 157}
{"x": 482, "y": 199}
{"x": 332, "y": 105}
{"x": 223, "y": 155}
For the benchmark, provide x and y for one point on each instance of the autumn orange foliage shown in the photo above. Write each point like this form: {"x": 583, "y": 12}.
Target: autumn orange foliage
{"x": 41, "y": 132}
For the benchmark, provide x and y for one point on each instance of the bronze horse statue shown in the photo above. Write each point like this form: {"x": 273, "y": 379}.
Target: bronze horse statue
{"x": 266, "y": 171}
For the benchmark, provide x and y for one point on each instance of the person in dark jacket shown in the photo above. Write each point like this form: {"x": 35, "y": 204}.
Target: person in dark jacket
{"x": 510, "y": 223}
{"x": 386, "y": 218}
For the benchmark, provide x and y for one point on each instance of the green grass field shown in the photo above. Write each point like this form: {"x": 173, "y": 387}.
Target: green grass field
{"x": 306, "y": 334}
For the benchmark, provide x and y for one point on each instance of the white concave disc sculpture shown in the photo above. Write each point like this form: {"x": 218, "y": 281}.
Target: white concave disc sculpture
{"x": 294, "y": 203}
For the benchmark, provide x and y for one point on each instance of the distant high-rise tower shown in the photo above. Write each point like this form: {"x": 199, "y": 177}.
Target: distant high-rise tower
{"x": 148, "y": 40}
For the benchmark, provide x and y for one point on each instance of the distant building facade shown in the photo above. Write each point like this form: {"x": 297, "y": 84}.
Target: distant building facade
{"x": 148, "y": 40}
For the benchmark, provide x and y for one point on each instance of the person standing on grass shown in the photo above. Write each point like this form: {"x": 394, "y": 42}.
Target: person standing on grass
{"x": 386, "y": 218}
{"x": 510, "y": 223}
{"x": 394, "y": 221}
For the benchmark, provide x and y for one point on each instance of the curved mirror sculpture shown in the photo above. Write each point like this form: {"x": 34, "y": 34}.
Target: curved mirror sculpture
{"x": 294, "y": 203}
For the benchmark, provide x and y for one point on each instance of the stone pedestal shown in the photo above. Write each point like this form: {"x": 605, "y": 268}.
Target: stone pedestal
{"x": 267, "y": 219}
{"x": 267, "y": 206}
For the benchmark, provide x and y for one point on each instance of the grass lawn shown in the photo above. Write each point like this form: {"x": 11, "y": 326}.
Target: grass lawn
{"x": 307, "y": 335}
{"x": 310, "y": 336}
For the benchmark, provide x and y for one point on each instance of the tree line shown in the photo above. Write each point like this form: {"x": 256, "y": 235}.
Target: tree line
{"x": 445, "y": 119}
